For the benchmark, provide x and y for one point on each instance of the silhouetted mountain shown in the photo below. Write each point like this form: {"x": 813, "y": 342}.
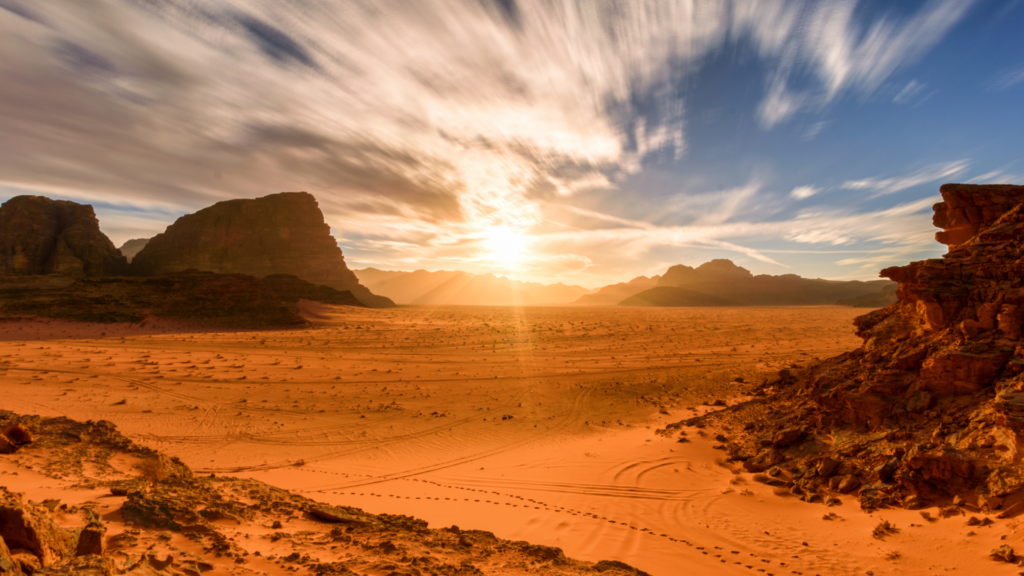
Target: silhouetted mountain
{"x": 43, "y": 236}
{"x": 723, "y": 283}
{"x": 673, "y": 296}
{"x": 615, "y": 293}
{"x": 277, "y": 234}
{"x": 132, "y": 247}
{"x": 445, "y": 287}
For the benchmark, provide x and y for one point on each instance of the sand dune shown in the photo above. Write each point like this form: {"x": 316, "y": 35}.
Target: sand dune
{"x": 533, "y": 423}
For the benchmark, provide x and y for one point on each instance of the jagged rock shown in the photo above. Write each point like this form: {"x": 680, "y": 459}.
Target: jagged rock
{"x": 43, "y": 236}
{"x": 31, "y": 528}
{"x": 606, "y": 565}
{"x": 278, "y": 234}
{"x": 8, "y": 565}
{"x": 17, "y": 433}
{"x": 6, "y": 446}
{"x": 335, "y": 514}
{"x": 90, "y": 540}
{"x": 932, "y": 403}
{"x": 1004, "y": 553}
{"x": 788, "y": 437}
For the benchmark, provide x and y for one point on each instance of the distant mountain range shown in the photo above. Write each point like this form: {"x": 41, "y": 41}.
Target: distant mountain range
{"x": 445, "y": 287}
{"x": 722, "y": 283}
{"x": 616, "y": 293}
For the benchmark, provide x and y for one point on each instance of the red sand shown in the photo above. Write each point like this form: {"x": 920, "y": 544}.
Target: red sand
{"x": 401, "y": 411}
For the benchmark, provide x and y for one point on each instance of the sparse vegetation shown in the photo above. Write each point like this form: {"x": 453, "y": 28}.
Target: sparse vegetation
{"x": 883, "y": 529}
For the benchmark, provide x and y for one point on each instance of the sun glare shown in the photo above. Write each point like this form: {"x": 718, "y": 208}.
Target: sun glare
{"x": 505, "y": 245}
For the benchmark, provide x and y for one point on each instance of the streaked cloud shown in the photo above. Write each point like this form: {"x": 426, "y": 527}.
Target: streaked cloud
{"x": 932, "y": 173}
{"x": 421, "y": 126}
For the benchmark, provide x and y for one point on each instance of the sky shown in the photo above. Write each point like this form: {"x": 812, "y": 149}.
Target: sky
{"x": 585, "y": 142}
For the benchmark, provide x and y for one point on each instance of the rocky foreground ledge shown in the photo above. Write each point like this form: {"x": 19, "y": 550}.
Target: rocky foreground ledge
{"x": 131, "y": 510}
{"x": 929, "y": 410}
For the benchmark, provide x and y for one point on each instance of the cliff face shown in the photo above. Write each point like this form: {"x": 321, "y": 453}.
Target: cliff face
{"x": 277, "y": 234}
{"x": 932, "y": 404}
{"x": 43, "y": 236}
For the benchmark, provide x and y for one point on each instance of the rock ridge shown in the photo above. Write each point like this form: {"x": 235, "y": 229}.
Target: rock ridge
{"x": 930, "y": 408}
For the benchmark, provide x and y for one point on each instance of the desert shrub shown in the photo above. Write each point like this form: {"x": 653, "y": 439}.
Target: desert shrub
{"x": 883, "y": 529}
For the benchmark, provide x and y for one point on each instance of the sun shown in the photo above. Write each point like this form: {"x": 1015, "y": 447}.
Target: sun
{"x": 505, "y": 245}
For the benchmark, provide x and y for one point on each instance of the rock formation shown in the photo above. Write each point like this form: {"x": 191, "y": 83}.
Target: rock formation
{"x": 930, "y": 407}
{"x": 278, "y": 234}
{"x": 43, "y": 236}
{"x": 722, "y": 283}
{"x": 132, "y": 247}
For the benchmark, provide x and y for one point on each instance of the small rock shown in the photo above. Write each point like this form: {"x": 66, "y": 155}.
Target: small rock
{"x": 1004, "y": 553}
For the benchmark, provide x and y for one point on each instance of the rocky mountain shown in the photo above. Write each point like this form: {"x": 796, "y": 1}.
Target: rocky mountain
{"x": 132, "y": 247}
{"x": 615, "y": 293}
{"x": 43, "y": 236}
{"x": 277, "y": 234}
{"x": 462, "y": 288}
{"x": 930, "y": 409}
{"x": 727, "y": 284}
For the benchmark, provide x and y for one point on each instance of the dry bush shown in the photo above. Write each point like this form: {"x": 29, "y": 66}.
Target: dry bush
{"x": 782, "y": 491}
{"x": 154, "y": 469}
{"x": 883, "y": 529}
{"x": 950, "y": 511}
{"x": 762, "y": 478}
{"x": 737, "y": 480}
{"x": 893, "y": 555}
{"x": 831, "y": 516}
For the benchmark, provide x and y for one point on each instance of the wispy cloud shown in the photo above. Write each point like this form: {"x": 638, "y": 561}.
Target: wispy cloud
{"x": 932, "y": 173}
{"x": 1008, "y": 79}
{"x": 804, "y": 192}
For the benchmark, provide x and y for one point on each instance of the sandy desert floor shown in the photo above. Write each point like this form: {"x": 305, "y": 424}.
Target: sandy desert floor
{"x": 533, "y": 423}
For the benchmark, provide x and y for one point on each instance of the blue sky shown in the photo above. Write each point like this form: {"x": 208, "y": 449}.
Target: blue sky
{"x": 585, "y": 142}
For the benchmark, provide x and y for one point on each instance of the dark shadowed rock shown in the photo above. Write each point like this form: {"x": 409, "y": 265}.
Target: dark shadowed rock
{"x": 278, "y": 234}
{"x": 231, "y": 300}
{"x": 43, "y": 236}
{"x": 31, "y": 527}
{"x": 132, "y": 247}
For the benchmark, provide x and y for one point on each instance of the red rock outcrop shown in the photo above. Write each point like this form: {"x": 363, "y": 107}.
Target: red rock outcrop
{"x": 932, "y": 404}
{"x": 43, "y": 236}
{"x": 278, "y": 234}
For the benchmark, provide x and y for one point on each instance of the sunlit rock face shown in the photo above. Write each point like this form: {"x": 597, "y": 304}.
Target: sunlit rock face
{"x": 278, "y": 234}
{"x": 932, "y": 405}
{"x": 43, "y": 236}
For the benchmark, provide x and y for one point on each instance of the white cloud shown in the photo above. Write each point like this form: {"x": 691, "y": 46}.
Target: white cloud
{"x": 909, "y": 92}
{"x": 1008, "y": 79}
{"x": 804, "y": 192}
{"x": 882, "y": 186}
{"x": 845, "y": 54}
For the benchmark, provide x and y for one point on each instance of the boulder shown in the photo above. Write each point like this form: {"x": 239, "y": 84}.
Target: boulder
{"x": 8, "y": 565}
{"x": 31, "y": 528}
{"x": 278, "y": 234}
{"x": 90, "y": 540}
{"x": 43, "y": 236}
